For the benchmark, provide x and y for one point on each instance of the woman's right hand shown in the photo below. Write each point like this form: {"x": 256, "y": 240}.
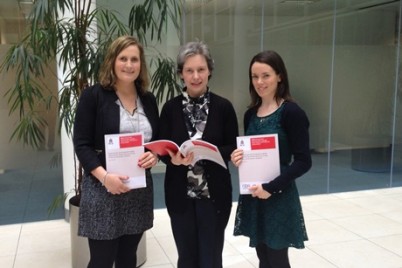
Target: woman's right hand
{"x": 236, "y": 157}
{"x": 114, "y": 184}
{"x": 178, "y": 159}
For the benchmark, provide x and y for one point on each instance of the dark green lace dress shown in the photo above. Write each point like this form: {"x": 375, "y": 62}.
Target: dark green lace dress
{"x": 277, "y": 221}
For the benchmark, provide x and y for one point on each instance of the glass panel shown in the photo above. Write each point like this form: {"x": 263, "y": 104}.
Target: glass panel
{"x": 302, "y": 35}
{"x": 396, "y": 179}
{"x": 341, "y": 58}
{"x": 231, "y": 29}
{"x": 363, "y": 97}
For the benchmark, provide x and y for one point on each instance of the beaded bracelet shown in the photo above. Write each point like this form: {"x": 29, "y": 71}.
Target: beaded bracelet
{"x": 104, "y": 179}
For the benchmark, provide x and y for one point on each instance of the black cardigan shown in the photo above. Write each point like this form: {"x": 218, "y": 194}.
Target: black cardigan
{"x": 97, "y": 115}
{"x": 295, "y": 123}
{"x": 221, "y": 130}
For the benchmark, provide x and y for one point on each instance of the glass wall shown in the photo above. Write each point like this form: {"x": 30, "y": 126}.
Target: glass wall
{"x": 343, "y": 60}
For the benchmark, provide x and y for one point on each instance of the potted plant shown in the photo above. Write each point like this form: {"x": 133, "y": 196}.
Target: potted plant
{"x": 77, "y": 33}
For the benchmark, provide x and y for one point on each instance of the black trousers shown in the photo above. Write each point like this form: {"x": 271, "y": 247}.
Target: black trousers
{"x": 199, "y": 234}
{"x": 122, "y": 252}
{"x": 272, "y": 258}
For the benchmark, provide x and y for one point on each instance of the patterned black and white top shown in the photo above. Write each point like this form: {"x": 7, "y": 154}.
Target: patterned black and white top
{"x": 195, "y": 112}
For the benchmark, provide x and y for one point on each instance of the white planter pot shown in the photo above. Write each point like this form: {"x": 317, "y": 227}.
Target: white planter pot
{"x": 79, "y": 245}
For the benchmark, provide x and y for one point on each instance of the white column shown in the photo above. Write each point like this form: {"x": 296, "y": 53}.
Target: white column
{"x": 67, "y": 148}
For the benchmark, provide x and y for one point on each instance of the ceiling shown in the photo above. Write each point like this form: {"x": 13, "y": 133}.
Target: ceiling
{"x": 13, "y": 9}
{"x": 285, "y": 7}
{"x": 12, "y": 22}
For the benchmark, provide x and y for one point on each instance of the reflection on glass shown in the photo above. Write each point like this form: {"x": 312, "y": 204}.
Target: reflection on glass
{"x": 342, "y": 63}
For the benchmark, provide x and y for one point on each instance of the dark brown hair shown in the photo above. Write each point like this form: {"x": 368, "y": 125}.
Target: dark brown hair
{"x": 274, "y": 60}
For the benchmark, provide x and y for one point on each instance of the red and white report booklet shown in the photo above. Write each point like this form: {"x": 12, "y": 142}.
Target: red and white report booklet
{"x": 201, "y": 149}
{"x": 122, "y": 152}
{"x": 260, "y": 162}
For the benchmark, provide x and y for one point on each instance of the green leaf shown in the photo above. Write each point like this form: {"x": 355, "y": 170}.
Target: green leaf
{"x": 77, "y": 36}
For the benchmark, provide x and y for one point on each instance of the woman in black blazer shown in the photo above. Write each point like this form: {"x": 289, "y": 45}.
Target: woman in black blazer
{"x": 199, "y": 197}
{"x": 112, "y": 216}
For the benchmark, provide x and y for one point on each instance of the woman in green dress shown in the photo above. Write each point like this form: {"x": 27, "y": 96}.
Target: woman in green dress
{"x": 271, "y": 216}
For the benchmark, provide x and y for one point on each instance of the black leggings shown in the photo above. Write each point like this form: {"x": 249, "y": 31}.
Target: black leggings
{"x": 272, "y": 258}
{"x": 122, "y": 252}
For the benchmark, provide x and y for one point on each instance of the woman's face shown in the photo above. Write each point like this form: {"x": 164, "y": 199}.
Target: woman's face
{"x": 265, "y": 80}
{"x": 195, "y": 75}
{"x": 127, "y": 65}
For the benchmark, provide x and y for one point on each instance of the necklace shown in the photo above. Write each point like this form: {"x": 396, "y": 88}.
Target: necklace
{"x": 134, "y": 109}
{"x": 268, "y": 110}
{"x": 262, "y": 119}
{"x": 129, "y": 122}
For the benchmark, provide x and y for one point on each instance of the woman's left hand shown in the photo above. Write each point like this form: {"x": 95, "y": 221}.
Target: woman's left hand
{"x": 236, "y": 157}
{"x": 148, "y": 160}
{"x": 259, "y": 192}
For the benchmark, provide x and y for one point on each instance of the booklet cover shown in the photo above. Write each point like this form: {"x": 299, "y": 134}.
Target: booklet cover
{"x": 201, "y": 149}
{"x": 122, "y": 153}
{"x": 260, "y": 162}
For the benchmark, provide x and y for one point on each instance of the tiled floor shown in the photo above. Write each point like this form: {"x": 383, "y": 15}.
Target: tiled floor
{"x": 349, "y": 229}
{"x": 27, "y": 191}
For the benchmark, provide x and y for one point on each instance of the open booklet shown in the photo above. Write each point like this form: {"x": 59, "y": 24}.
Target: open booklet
{"x": 260, "y": 162}
{"x": 122, "y": 152}
{"x": 201, "y": 150}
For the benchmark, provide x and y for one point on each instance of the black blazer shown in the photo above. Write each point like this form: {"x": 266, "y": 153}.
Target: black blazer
{"x": 97, "y": 115}
{"x": 221, "y": 130}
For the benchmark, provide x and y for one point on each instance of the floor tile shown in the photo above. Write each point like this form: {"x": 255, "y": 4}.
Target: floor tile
{"x": 318, "y": 198}
{"x": 159, "y": 266}
{"x": 9, "y": 237}
{"x": 393, "y": 215}
{"x": 237, "y": 262}
{"x": 392, "y": 243}
{"x": 169, "y": 247}
{"x": 7, "y": 261}
{"x": 56, "y": 258}
{"x": 155, "y": 254}
{"x": 309, "y": 214}
{"x": 336, "y": 208}
{"x": 35, "y": 237}
{"x": 357, "y": 254}
{"x": 252, "y": 258}
{"x": 346, "y": 230}
{"x": 377, "y": 203}
{"x": 325, "y": 231}
{"x": 240, "y": 243}
{"x": 162, "y": 225}
{"x": 369, "y": 226}
{"x": 306, "y": 258}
